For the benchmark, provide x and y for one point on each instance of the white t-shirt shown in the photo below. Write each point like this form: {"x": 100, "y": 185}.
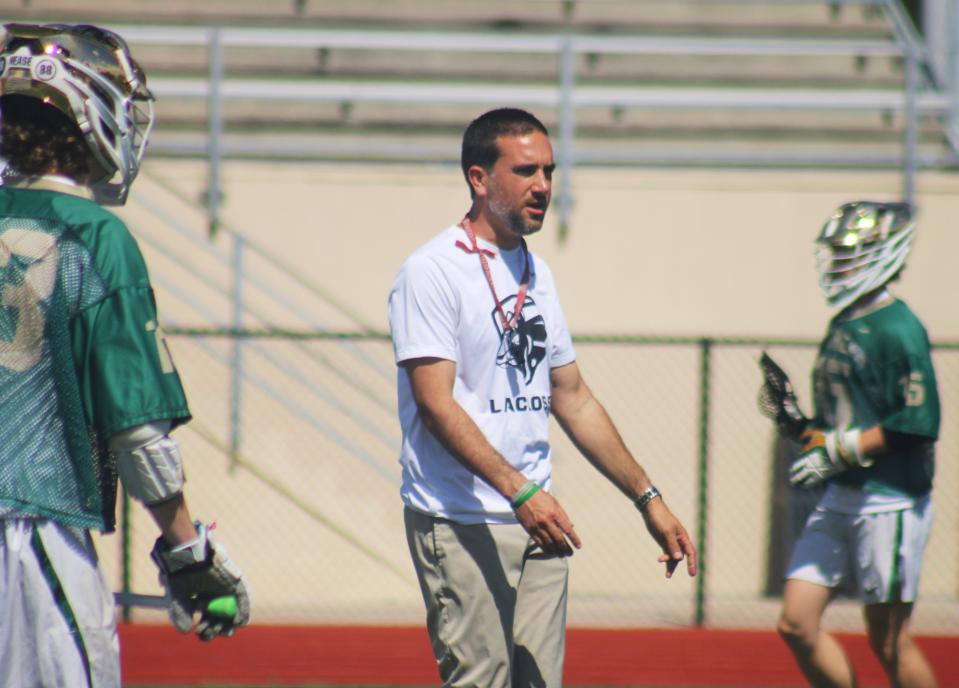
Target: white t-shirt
{"x": 441, "y": 306}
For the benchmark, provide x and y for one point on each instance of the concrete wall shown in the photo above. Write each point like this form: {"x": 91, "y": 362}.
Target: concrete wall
{"x": 671, "y": 252}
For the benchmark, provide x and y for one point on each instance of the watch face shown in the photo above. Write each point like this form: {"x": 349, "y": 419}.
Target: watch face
{"x": 648, "y": 495}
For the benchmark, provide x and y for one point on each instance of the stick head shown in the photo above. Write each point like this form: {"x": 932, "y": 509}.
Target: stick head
{"x": 778, "y": 401}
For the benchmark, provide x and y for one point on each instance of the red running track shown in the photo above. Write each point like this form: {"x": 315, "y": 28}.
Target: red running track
{"x": 290, "y": 655}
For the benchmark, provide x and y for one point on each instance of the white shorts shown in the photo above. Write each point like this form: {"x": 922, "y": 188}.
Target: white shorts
{"x": 879, "y": 555}
{"x": 59, "y": 625}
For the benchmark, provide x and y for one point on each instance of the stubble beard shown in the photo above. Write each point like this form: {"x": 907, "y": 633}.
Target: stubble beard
{"x": 513, "y": 219}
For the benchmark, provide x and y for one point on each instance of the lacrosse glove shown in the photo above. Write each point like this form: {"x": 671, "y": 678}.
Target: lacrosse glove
{"x": 195, "y": 574}
{"x": 824, "y": 455}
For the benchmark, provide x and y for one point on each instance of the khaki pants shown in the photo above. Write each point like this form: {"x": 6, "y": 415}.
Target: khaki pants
{"x": 495, "y": 604}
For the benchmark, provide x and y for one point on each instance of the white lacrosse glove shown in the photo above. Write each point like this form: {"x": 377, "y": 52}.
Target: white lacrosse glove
{"x": 824, "y": 455}
{"x": 196, "y": 574}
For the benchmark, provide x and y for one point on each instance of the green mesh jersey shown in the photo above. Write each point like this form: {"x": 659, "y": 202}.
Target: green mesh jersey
{"x": 875, "y": 367}
{"x": 80, "y": 355}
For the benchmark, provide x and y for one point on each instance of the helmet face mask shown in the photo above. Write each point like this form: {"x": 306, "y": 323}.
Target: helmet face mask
{"x": 88, "y": 74}
{"x": 862, "y": 246}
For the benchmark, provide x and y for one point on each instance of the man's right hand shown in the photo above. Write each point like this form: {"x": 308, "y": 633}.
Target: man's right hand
{"x": 548, "y": 525}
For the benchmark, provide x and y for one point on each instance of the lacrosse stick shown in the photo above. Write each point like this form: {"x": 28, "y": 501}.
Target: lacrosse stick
{"x": 219, "y": 606}
{"x": 778, "y": 401}
{"x": 133, "y": 599}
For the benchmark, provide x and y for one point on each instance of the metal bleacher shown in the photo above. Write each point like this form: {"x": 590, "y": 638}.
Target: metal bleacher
{"x": 793, "y": 83}
{"x": 646, "y": 82}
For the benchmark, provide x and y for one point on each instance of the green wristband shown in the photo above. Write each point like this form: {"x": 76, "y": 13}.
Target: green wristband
{"x": 523, "y": 494}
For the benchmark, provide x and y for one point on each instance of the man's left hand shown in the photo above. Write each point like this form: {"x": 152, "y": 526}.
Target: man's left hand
{"x": 671, "y": 536}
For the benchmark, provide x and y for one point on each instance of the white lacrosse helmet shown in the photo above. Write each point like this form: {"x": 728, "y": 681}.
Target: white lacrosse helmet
{"x": 89, "y": 75}
{"x": 861, "y": 248}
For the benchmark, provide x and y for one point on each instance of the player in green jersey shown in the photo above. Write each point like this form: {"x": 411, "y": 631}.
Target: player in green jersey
{"x": 87, "y": 387}
{"x": 876, "y": 423}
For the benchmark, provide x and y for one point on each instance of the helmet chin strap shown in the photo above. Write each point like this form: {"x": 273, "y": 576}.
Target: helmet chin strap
{"x": 868, "y": 300}
{"x": 110, "y": 194}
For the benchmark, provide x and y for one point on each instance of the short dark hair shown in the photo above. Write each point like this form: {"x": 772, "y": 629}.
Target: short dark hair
{"x": 36, "y": 139}
{"x": 479, "y": 139}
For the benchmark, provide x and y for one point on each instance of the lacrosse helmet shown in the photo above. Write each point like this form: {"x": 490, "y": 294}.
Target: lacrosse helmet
{"x": 88, "y": 74}
{"x": 862, "y": 247}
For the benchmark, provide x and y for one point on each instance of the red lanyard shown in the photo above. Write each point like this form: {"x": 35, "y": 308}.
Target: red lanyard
{"x": 508, "y": 324}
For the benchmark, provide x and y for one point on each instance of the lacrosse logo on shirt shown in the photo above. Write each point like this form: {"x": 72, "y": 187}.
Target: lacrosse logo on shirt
{"x": 522, "y": 347}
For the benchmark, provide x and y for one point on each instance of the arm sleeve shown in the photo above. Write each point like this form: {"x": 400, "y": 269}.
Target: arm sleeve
{"x": 561, "y": 350}
{"x": 126, "y": 373}
{"x": 423, "y": 310}
{"x": 128, "y": 376}
{"x": 908, "y": 400}
{"x": 914, "y": 407}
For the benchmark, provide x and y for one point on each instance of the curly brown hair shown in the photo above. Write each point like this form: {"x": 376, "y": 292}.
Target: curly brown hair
{"x": 36, "y": 139}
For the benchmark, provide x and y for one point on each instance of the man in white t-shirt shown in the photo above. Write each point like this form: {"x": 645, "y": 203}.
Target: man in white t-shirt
{"x": 484, "y": 357}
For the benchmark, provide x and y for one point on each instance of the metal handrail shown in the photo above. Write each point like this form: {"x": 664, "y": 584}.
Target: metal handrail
{"x": 508, "y": 42}
{"x": 291, "y": 90}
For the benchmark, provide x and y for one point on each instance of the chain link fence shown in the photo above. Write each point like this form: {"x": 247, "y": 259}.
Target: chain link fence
{"x": 293, "y": 452}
